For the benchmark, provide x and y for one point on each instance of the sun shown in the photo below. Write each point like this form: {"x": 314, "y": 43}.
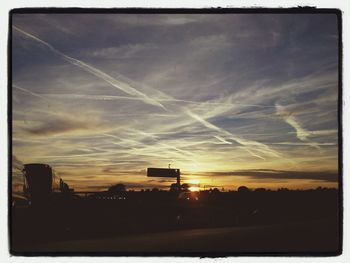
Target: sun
{"x": 194, "y": 184}
{"x": 193, "y": 181}
{"x": 194, "y": 188}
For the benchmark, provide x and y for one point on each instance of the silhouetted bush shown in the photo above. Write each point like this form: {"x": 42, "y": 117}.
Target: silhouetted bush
{"x": 118, "y": 188}
{"x": 174, "y": 187}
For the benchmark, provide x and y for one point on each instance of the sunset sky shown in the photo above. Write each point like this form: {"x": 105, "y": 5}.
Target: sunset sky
{"x": 230, "y": 99}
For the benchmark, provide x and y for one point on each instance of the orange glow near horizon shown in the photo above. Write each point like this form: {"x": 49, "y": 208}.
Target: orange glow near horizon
{"x": 194, "y": 188}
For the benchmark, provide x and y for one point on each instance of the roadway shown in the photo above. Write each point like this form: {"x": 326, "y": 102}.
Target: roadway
{"x": 296, "y": 237}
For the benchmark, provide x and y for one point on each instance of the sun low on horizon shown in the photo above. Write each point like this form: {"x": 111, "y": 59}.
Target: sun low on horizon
{"x": 229, "y": 99}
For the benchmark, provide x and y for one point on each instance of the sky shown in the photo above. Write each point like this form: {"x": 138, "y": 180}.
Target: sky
{"x": 230, "y": 99}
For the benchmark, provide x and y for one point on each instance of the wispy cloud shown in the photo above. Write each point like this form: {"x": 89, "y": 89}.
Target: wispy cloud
{"x": 251, "y": 146}
{"x": 63, "y": 124}
{"x": 131, "y": 91}
{"x": 179, "y": 89}
{"x": 30, "y": 92}
{"x": 260, "y": 174}
{"x": 222, "y": 139}
{"x": 97, "y": 72}
{"x": 16, "y": 163}
{"x": 302, "y": 133}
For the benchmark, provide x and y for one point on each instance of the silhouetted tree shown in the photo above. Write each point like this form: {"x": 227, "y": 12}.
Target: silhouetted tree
{"x": 155, "y": 189}
{"x": 117, "y": 188}
{"x": 320, "y": 188}
{"x": 216, "y": 190}
{"x": 243, "y": 189}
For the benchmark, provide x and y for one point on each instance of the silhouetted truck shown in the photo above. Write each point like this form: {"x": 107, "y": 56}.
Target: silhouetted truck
{"x": 41, "y": 183}
{"x": 164, "y": 172}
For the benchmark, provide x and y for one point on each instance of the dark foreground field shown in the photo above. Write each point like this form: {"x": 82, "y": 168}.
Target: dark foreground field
{"x": 158, "y": 223}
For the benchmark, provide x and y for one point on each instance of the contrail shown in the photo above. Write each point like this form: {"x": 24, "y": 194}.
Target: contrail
{"x": 257, "y": 146}
{"x": 125, "y": 87}
{"x": 254, "y": 154}
{"x": 98, "y": 73}
{"x": 199, "y": 119}
{"x": 114, "y": 97}
{"x": 249, "y": 146}
{"x": 322, "y": 132}
{"x": 30, "y": 92}
{"x": 222, "y": 139}
{"x": 88, "y": 97}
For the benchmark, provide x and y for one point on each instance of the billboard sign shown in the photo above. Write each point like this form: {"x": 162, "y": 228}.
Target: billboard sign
{"x": 163, "y": 172}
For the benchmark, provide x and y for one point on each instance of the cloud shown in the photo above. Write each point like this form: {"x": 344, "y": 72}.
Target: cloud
{"x": 181, "y": 20}
{"x": 30, "y": 92}
{"x": 157, "y": 20}
{"x": 323, "y": 132}
{"x": 250, "y": 146}
{"x": 204, "y": 104}
{"x": 210, "y": 42}
{"x": 302, "y": 133}
{"x": 59, "y": 125}
{"x": 253, "y": 147}
{"x": 16, "y": 163}
{"x": 261, "y": 174}
{"x": 201, "y": 120}
{"x": 128, "y": 89}
{"x": 222, "y": 140}
{"x": 216, "y": 85}
{"x": 122, "y": 52}
{"x": 260, "y": 147}
{"x": 117, "y": 172}
{"x": 303, "y": 143}
{"x": 97, "y": 72}
{"x": 87, "y": 97}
